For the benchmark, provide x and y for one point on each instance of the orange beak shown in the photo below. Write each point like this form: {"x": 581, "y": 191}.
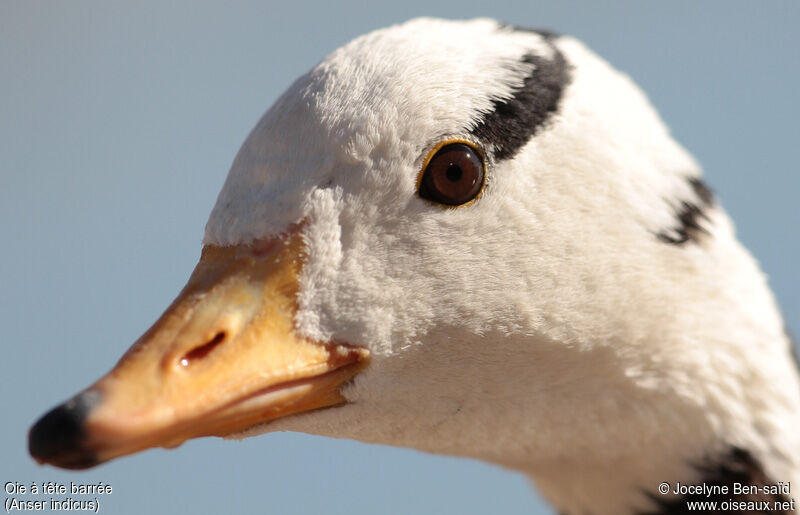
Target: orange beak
{"x": 223, "y": 357}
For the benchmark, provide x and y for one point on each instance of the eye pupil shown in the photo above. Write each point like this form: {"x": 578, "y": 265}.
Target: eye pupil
{"x": 453, "y": 176}
{"x": 454, "y": 173}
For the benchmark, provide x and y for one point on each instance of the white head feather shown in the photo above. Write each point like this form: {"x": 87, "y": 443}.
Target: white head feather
{"x": 545, "y": 327}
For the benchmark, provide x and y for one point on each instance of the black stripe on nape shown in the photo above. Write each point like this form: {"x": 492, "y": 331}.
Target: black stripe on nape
{"x": 764, "y": 495}
{"x": 513, "y": 121}
{"x": 545, "y": 33}
{"x": 689, "y": 215}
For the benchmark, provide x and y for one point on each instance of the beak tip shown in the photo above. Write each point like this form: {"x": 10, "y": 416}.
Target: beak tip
{"x": 58, "y": 437}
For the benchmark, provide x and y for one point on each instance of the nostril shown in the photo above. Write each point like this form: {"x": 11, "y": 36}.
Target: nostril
{"x": 202, "y": 351}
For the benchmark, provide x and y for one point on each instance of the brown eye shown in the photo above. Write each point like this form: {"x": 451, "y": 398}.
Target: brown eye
{"x": 454, "y": 175}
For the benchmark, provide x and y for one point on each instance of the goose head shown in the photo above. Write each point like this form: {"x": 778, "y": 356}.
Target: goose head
{"x": 470, "y": 239}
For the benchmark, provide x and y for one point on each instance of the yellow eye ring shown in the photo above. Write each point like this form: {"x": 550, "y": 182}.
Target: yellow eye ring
{"x": 453, "y": 174}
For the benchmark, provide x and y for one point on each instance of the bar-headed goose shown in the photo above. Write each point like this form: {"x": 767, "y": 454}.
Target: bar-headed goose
{"x": 476, "y": 240}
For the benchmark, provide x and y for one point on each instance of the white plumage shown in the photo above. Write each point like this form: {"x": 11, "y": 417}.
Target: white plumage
{"x": 578, "y": 322}
{"x": 544, "y": 328}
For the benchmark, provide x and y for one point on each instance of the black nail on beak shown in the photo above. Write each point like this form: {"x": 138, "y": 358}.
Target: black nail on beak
{"x": 58, "y": 438}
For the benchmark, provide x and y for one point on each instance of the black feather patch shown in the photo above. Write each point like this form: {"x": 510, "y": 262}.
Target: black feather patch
{"x": 513, "y": 121}
{"x": 764, "y": 495}
{"x": 545, "y": 33}
{"x": 690, "y": 214}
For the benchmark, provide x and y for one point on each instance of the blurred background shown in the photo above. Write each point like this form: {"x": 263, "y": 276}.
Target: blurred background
{"x": 119, "y": 120}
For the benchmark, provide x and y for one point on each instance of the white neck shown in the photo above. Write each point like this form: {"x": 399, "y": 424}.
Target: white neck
{"x": 591, "y": 439}
{"x": 750, "y": 441}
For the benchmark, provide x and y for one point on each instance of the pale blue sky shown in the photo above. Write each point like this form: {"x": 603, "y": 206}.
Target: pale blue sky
{"x": 118, "y": 122}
